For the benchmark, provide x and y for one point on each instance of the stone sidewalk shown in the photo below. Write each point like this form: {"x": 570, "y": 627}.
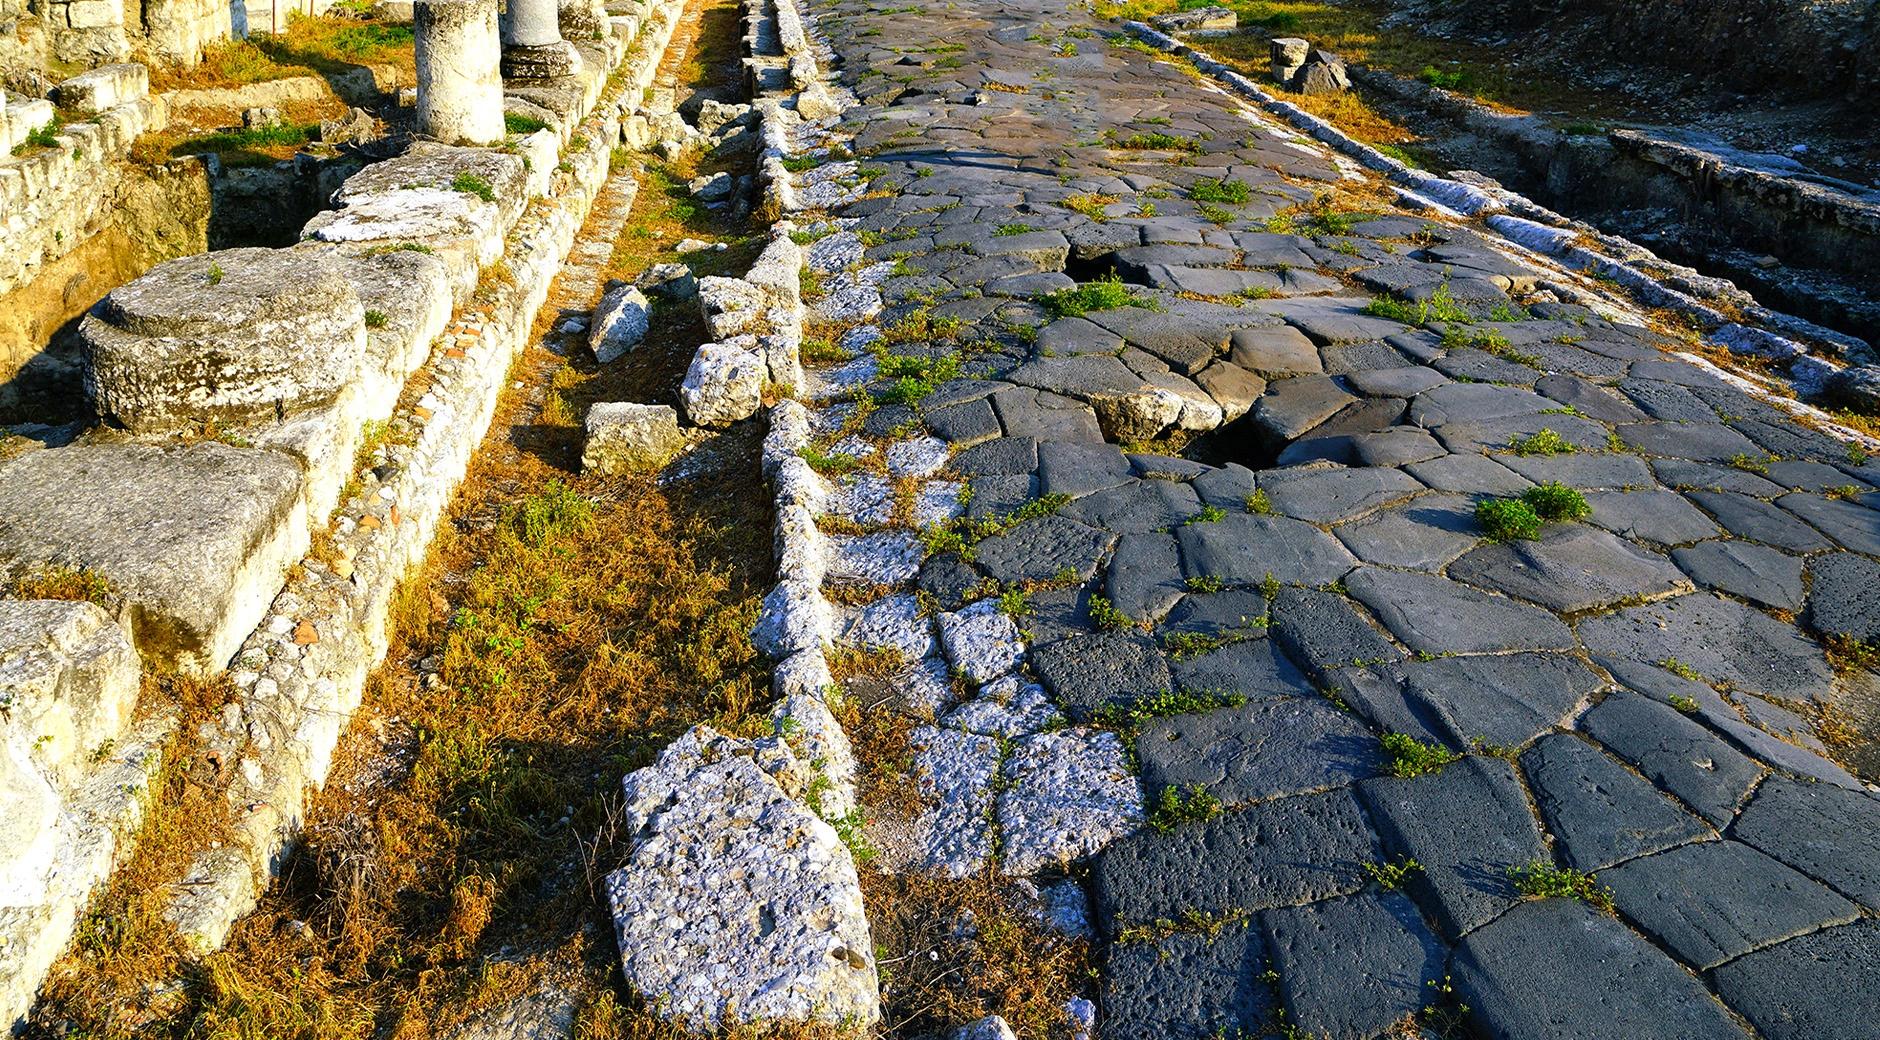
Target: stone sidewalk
{"x": 1367, "y": 735}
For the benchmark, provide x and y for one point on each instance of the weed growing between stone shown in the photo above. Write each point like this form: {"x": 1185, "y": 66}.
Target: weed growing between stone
{"x": 1407, "y": 756}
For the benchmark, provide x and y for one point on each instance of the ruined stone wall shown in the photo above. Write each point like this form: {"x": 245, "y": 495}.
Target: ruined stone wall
{"x": 1804, "y": 48}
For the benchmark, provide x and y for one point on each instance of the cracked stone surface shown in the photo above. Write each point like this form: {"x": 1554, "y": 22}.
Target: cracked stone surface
{"x": 1635, "y": 692}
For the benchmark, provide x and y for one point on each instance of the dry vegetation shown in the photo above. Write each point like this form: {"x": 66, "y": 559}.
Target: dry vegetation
{"x": 311, "y": 46}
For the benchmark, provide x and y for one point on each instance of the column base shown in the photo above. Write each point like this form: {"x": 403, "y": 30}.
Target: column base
{"x": 547, "y": 61}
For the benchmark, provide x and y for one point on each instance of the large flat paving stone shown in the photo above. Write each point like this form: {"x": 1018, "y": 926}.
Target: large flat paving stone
{"x": 1555, "y": 969}
{"x": 1722, "y": 640}
{"x": 1755, "y": 572}
{"x": 1853, "y": 525}
{"x": 1816, "y": 987}
{"x": 1467, "y": 825}
{"x": 1279, "y": 853}
{"x": 1243, "y": 548}
{"x": 1476, "y": 475}
{"x": 1433, "y": 615}
{"x": 1758, "y": 521}
{"x": 1145, "y": 577}
{"x": 1571, "y": 568}
{"x": 1425, "y": 534}
{"x": 1675, "y": 752}
{"x": 1187, "y": 986}
{"x": 1826, "y": 832}
{"x": 1089, "y": 673}
{"x": 1322, "y": 631}
{"x": 1328, "y": 496}
{"x": 1660, "y": 516}
{"x": 1253, "y": 668}
{"x": 1844, "y": 596}
{"x": 1353, "y": 968}
{"x": 1138, "y": 505}
{"x": 1600, "y": 812}
{"x": 1262, "y": 749}
{"x": 1714, "y": 901}
{"x": 1042, "y": 549}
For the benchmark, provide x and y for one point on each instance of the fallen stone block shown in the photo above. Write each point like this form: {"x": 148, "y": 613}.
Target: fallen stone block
{"x": 1323, "y": 73}
{"x": 620, "y": 322}
{"x": 1288, "y": 54}
{"x": 730, "y": 305}
{"x": 623, "y": 437}
{"x": 234, "y": 338}
{"x": 1200, "y": 19}
{"x": 724, "y": 384}
{"x": 737, "y": 904}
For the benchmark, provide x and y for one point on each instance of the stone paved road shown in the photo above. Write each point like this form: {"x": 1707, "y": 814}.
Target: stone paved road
{"x": 1630, "y": 693}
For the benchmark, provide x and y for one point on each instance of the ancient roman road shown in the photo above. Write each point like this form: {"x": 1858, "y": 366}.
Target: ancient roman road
{"x": 1330, "y": 748}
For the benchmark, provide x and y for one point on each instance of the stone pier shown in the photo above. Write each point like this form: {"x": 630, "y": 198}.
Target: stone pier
{"x": 532, "y": 45}
{"x": 460, "y": 94}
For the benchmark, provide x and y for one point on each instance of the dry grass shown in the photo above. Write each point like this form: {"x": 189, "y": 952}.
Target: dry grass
{"x": 311, "y": 46}
{"x": 67, "y": 583}
{"x": 219, "y": 131}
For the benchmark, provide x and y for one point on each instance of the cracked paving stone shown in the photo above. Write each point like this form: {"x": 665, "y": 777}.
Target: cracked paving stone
{"x": 1675, "y": 752}
{"x": 1043, "y": 550}
{"x": 1187, "y": 987}
{"x": 956, "y": 772}
{"x": 1068, "y": 794}
{"x": 1755, "y": 572}
{"x": 1844, "y": 596}
{"x": 1425, "y": 534}
{"x": 882, "y": 558}
{"x": 1714, "y": 901}
{"x": 1758, "y": 521}
{"x": 1599, "y": 811}
{"x": 1279, "y": 853}
{"x": 1826, "y": 832}
{"x": 1007, "y": 708}
{"x": 1653, "y": 516}
{"x": 1089, "y": 673}
{"x": 1502, "y": 700}
{"x": 920, "y": 457}
{"x": 1253, "y": 668}
{"x": 1139, "y": 505}
{"x": 889, "y": 623}
{"x": 1328, "y": 496}
{"x": 1571, "y": 568}
{"x": 1322, "y": 631}
{"x": 1556, "y": 969}
{"x": 1243, "y": 549}
{"x": 1467, "y": 825}
{"x": 1262, "y": 749}
{"x": 1145, "y": 578}
{"x": 1722, "y": 640}
{"x": 1353, "y": 968}
{"x": 1069, "y": 468}
{"x": 1816, "y": 987}
{"x": 1433, "y": 615}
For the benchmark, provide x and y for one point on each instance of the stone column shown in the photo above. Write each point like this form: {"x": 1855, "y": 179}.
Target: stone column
{"x": 532, "y": 45}
{"x": 460, "y": 94}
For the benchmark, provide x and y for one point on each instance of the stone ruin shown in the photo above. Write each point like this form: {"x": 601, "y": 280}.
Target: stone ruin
{"x": 235, "y": 394}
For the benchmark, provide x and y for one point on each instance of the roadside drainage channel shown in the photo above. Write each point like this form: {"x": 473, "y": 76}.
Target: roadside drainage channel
{"x": 302, "y": 672}
{"x": 1752, "y": 330}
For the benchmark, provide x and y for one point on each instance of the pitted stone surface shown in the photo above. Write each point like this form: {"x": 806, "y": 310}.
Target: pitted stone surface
{"x": 1824, "y": 831}
{"x": 1071, "y": 794}
{"x": 1338, "y": 543}
{"x": 1803, "y": 989}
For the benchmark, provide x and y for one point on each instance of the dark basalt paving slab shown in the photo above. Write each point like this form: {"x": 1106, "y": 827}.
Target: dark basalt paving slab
{"x": 1467, "y": 825}
{"x": 1757, "y": 573}
{"x": 1265, "y": 748}
{"x": 1139, "y": 505}
{"x": 1722, "y": 640}
{"x": 1826, "y": 832}
{"x": 1555, "y": 969}
{"x": 1817, "y": 987}
{"x": 1089, "y": 673}
{"x": 1501, "y": 700}
{"x": 1331, "y": 495}
{"x": 1243, "y": 549}
{"x": 1652, "y": 516}
{"x": 1854, "y": 526}
{"x": 1187, "y": 987}
{"x": 1714, "y": 901}
{"x": 1759, "y": 521}
{"x": 1676, "y": 753}
{"x": 1571, "y": 568}
{"x": 1469, "y": 474}
{"x": 1322, "y": 632}
{"x": 1355, "y": 967}
{"x": 1426, "y": 534}
{"x": 1145, "y": 576}
{"x": 1043, "y": 549}
{"x": 1598, "y": 811}
{"x": 1844, "y": 596}
{"x": 1433, "y": 615}
{"x": 1280, "y": 853}
{"x": 1253, "y": 668}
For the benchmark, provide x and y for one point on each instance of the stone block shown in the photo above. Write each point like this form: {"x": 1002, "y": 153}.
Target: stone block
{"x": 623, "y": 437}
{"x": 723, "y": 385}
{"x": 105, "y": 87}
{"x": 68, "y": 681}
{"x": 620, "y": 322}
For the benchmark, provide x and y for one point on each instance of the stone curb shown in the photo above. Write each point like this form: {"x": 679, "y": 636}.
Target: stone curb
{"x": 1538, "y": 230}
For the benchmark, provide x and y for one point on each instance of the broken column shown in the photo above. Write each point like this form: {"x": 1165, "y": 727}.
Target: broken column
{"x": 1288, "y": 56}
{"x": 460, "y": 94}
{"x": 532, "y": 45}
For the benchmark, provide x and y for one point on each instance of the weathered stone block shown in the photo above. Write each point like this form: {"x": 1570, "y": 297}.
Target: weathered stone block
{"x": 68, "y": 681}
{"x": 623, "y": 437}
{"x": 235, "y": 338}
{"x": 104, "y": 87}
{"x": 724, "y": 384}
{"x": 619, "y": 324}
